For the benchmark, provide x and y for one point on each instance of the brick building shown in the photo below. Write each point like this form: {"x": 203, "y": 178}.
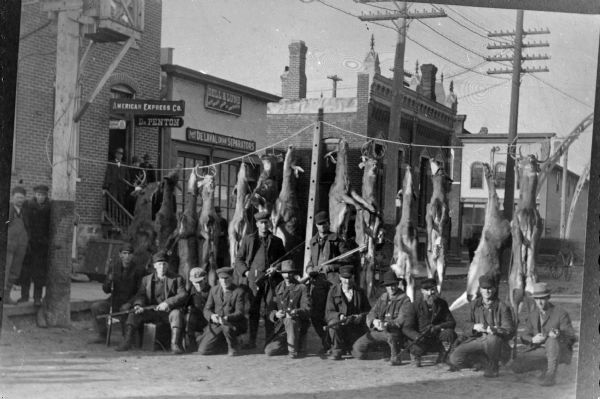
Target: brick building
{"x": 100, "y": 132}
{"x": 428, "y": 117}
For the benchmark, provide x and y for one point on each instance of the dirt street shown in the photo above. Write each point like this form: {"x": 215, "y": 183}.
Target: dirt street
{"x": 57, "y": 363}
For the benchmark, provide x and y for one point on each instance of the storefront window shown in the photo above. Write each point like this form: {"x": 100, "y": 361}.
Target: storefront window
{"x": 473, "y": 217}
{"x": 187, "y": 161}
{"x": 500, "y": 174}
{"x": 225, "y": 180}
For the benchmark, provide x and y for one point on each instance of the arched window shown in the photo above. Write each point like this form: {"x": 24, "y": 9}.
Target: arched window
{"x": 500, "y": 174}
{"x": 477, "y": 175}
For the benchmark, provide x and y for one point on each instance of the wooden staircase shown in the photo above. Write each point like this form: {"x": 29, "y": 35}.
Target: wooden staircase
{"x": 115, "y": 218}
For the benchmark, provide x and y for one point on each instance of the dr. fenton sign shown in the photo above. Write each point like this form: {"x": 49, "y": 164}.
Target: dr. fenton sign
{"x": 200, "y": 136}
{"x": 223, "y": 100}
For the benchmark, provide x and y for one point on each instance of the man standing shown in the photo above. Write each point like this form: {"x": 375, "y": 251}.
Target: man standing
{"x": 116, "y": 177}
{"x": 346, "y": 313}
{"x": 291, "y": 311}
{"x": 225, "y": 311}
{"x": 550, "y": 335}
{"x": 435, "y": 324}
{"x": 122, "y": 283}
{"x": 391, "y": 319}
{"x": 253, "y": 261}
{"x": 493, "y": 327}
{"x": 195, "y": 321}
{"x": 167, "y": 292}
{"x": 35, "y": 265}
{"x": 16, "y": 244}
{"x": 146, "y": 165}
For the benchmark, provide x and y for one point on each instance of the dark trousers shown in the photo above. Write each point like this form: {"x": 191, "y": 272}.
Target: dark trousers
{"x": 262, "y": 295}
{"x": 16, "y": 248}
{"x": 476, "y": 350}
{"x": 362, "y": 345}
{"x": 319, "y": 287}
{"x": 174, "y": 318}
{"x": 434, "y": 343}
{"x": 218, "y": 339}
{"x": 195, "y": 322}
{"x": 343, "y": 337}
{"x": 545, "y": 357}
{"x": 35, "y": 269}
{"x": 290, "y": 339}
{"x": 103, "y": 307}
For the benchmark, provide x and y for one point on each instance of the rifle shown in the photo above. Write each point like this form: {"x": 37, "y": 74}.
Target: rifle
{"x": 333, "y": 260}
{"x": 338, "y": 323}
{"x": 112, "y": 301}
{"x": 123, "y": 312}
{"x": 267, "y": 275}
{"x": 419, "y": 338}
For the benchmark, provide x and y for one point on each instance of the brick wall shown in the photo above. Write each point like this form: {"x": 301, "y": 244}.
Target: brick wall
{"x": 293, "y": 81}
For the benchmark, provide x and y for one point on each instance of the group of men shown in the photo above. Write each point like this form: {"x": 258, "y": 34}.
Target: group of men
{"x": 211, "y": 320}
{"x": 27, "y": 244}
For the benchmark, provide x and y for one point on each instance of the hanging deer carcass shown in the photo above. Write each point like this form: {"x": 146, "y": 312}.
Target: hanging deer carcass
{"x": 341, "y": 195}
{"x": 141, "y": 230}
{"x": 165, "y": 221}
{"x": 265, "y": 194}
{"x": 368, "y": 226}
{"x": 239, "y": 222}
{"x": 496, "y": 230}
{"x": 285, "y": 217}
{"x": 208, "y": 227}
{"x": 437, "y": 218}
{"x": 405, "y": 240}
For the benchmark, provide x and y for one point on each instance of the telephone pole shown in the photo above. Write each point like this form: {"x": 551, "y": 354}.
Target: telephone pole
{"x": 516, "y": 71}
{"x": 335, "y": 79}
{"x": 392, "y": 166}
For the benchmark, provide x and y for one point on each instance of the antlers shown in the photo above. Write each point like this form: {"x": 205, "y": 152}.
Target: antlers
{"x": 369, "y": 150}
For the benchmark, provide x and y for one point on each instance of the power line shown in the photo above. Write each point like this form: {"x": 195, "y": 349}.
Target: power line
{"x": 467, "y": 19}
{"x": 561, "y": 91}
{"x": 483, "y": 90}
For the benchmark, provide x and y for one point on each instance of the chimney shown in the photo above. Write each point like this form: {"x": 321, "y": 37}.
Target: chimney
{"x": 166, "y": 56}
{"x": 428, "y": 72}
{"x": 483, "y": 130}
{"x": 293, "y": 79}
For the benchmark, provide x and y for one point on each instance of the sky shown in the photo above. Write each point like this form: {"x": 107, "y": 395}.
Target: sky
{"x": 247, "y": 43}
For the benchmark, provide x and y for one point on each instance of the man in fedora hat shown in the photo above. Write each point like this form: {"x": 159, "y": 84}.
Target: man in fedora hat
{"x": 550, "y": 336}
{"x": 35, "y": 265}
{"x": 254, "y": 268}
{"x": 116, "y": 177}
{"x": 435, "y": 324}
{"x": 198, "y": 295}
{"x": 17, "y": 241}
{"x": 122, "y": 283}
{"x": 391, "y": 320}
{"x": 493, "y": 327}
{"x": 291, "y": 311}
{"x": 346, "y": 312}
{"x": 167, "y": 292}
{"x": 224, "y": 310}
{"x": 145, "y": 164}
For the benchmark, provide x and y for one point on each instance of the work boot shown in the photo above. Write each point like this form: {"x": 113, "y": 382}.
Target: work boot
{"x": 416, "y": 360}
{"x": 189, "y": 343}
{"x": 395, "y": 356}
{"x": 176, "y": 341}
{"x": 549, "y": 380}
{"x": 491, "y": 371}
{"x": 7, "y": 299}
{"x": 22, "y": 300}
{"x": 127, "y": 341}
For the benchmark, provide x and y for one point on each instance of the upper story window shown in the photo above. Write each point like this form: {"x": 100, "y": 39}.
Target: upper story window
{"x": 477, "y": 175}
{"x": 500, "y": 174}
{"x": 121, "y": 91}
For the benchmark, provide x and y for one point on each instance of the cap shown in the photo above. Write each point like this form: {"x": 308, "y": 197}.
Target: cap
{"x": 347, "y": 271}
{"x": 41, "y": 188}
{"x": 321, "y": 217}
{"x": 287, "y": 266}
{"x": 18, "y": 189}
{"x": 540, "y": 290}
{"x": 223, "y": 272}
{"x": 258, "y": 216}
{"x": 126, "y": 247}
{"x": 390, "y": 278}
{"x": 197, "y": 274}
{"x": 428, "y": 284}
{"x": 486, "y": 281}
{"x": 159, "y": 257}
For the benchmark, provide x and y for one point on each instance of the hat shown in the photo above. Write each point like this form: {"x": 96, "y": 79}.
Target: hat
{"x": 428, "y": 284}
{"x": 390, "y": 278}
{"x": 18, "y": 189}
{"x": 197, "y": 274}
{"x": 321, "y": 217}
{"x": 146, "y": 157}
{"x": 540, "y": 290}
{"x": 135, "y": 159}
{"x": 486, "y": 281}
{"x": 119, "y": 149}
{"x": 223, "y": 272}
{"x": 258, "y": 216}
{"x": 41, "y": 188}
{"x": 126, "y": 247}
{"x": 159, "y": 257}
{"x": 287, "y": 266}
{"x": 347, "y": 271}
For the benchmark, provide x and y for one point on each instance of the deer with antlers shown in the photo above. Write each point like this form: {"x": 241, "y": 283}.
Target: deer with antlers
{"x": 165, "y": 221}
{"x": 405, "y": 239}
{"x": 239, "y": 222}
{"x": 437, "y": 218}
{"x": 208, "y": 227}
{"x": 368, "y": 226}
{"x": 265, "y": 194}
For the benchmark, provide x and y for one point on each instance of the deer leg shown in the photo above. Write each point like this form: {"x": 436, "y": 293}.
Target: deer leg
{"x": 348, "y": 200}
{"x": 362, "y": 201}
{"x": 441, "y": 267}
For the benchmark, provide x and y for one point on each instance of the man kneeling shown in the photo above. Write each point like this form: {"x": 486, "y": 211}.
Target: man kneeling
{"x": 168, "y": 293}
{"x": 225, "y": 311}
{"x": 391, "y": 319}
{"x": 291, "y": 313}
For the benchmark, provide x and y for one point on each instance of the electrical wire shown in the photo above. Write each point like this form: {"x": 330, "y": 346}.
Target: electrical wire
{"x": 560, "y": 91}
{"x": 483, "y": 90}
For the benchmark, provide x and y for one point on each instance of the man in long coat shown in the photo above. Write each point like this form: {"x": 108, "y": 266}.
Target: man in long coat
{"x": 17, "y": 241}
{"x": 116, "y": 177}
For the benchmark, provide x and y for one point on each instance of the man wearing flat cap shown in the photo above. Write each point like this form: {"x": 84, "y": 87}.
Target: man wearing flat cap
{"x": 435, "y": 324}
{"x": 492, "y": 329}
{"x": 122, "y": 283}
{"x": 391, "y": 320}
{"x": 35, "y": 264}
{"x": 254, "y": 267}
{"x": 224, "y": 311}
{"x": 291, "y": 313}
{"x": 346, "y": 313}
{"x": 166, "y": 294}
{"x": 550, "y": 335}
{"x": 198, "y": 295}
{"x": 17, "y": 241}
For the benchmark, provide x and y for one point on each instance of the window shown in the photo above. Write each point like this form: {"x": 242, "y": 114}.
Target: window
{"x": 477, "y": 175}
{"x": 473, "y": 218}
{"x": 225, "y": 180}
{"x": 500, "y": 174}
{"x": 187, "y": 161}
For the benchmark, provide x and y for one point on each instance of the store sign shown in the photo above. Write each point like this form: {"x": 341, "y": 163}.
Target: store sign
{"x": 223, "y": 100}
{"x": 117, "y": 124}
{"x": 200, "y": 136}
{"x": 147, "y": 107}
{"x": 158, "y": 121}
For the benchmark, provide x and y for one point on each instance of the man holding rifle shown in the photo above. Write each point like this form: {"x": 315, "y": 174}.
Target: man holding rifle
{"x": 122, "y": 283}
{"x": 346, "y": 312}
{"x": 550, "y": 335}
{"x": 435, "y": 324}
{"x": 167, "y": 293}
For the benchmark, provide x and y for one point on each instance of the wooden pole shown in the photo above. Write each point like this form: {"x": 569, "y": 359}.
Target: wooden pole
{"x": 313, "y": 191}
{"x": 563, "y": 196}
